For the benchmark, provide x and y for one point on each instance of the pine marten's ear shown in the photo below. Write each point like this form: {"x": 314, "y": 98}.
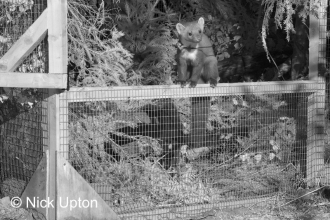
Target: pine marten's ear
{"x": 180, "y": 28}
{"x": 201, "y": 22}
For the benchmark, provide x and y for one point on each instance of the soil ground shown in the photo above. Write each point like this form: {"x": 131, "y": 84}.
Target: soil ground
{"x": 312, "y": 208}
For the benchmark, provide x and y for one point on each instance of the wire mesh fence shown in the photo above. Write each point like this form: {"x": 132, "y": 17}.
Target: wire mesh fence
{"x": 15, "y": 18}
{"x": 152, "y": 148}
{"x": 23, "y": 117}
{"x": 23, "y": 134}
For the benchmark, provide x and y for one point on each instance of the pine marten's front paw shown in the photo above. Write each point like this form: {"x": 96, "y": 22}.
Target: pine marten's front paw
{"x": 213, "y": 83}
{"x": 183, "y": 84}
{"x": 192, "y": 84}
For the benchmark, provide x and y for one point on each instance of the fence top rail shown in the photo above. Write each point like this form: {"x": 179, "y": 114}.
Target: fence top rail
{"x": 175, "y": 91}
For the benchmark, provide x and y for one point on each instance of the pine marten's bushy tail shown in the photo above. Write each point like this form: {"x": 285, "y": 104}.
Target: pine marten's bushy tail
{"x": 200, "y": 108}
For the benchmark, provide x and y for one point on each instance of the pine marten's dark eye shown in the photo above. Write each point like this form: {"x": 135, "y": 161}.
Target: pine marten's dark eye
{"x": 190, "y": 34}
{"x": 200, "y": 31}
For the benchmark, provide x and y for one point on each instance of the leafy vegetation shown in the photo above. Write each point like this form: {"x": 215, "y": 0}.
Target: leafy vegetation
{"x": 99, "y": 59}
{"x": 284, "y": 13}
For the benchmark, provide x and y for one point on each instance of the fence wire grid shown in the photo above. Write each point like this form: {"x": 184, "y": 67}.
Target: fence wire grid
{"x": 23, "y": 135}
{"x": 23, "y": 117}
{"x": 151, "y": 148}
{"x": 15, "y": 18}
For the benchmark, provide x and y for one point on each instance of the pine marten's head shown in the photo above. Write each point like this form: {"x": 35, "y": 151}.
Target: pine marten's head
{"x": 191, "y": 32}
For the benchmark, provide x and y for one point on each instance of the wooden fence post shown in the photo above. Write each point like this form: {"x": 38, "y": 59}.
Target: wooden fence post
{"x": 316, "y": 102}
{"x": 58, "y": 55}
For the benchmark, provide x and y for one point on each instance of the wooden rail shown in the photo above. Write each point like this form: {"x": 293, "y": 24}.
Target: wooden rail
{"x": 33, "y": 80}
{"x": 175, "y": 91}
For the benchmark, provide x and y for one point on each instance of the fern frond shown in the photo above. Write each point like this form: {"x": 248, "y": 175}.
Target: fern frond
{"x": 285, "y": 10}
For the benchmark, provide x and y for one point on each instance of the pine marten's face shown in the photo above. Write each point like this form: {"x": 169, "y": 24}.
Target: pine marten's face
{"x": 194, "y": 34}
{"x": 191, "y": 32}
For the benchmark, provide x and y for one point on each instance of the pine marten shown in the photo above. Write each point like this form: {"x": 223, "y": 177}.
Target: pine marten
{"x": 197, "y": 62}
